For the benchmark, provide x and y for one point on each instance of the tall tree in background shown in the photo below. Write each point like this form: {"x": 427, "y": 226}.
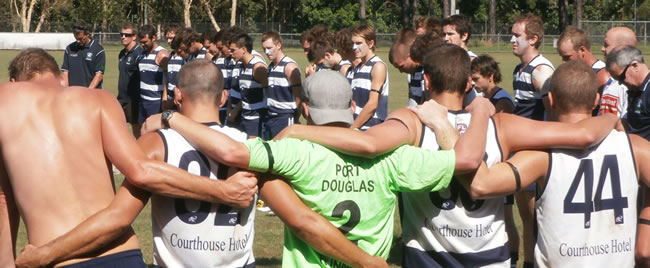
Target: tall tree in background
{"x": 492, "y": 19}
{"x": 233, "y": 13}
{"x": 362, "y": 11}
{"x": 578, "y": 15}
{"x": 563, "y": 6}
{"x": 445, "y": 8}
{"x": 408, "y": 11}
{"x": 208, "y": 10}
{"x": 187, "y": 4}
{"x": 25, "y": 13}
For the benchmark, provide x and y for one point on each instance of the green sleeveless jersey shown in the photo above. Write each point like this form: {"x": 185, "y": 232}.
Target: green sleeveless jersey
{"x": 356, "y": 194}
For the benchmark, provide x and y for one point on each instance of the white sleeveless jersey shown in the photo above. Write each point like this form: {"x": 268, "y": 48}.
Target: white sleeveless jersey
{"x": 449, "y": 228}
{"x": 192, "y": 233}
{"x": 586, "y": 213}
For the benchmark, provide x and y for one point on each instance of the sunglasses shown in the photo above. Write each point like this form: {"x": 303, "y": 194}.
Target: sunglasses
{"x": 621, "y": 77}
{"x": 127, "y": 34}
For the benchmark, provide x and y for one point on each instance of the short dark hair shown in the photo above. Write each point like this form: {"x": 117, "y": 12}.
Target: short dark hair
{"x": 367, "y": 33}
{"x": 405, "y": 35}
{"x": 208, "y": 35}
{"x": 343, "y": 41}
{"x": 231, "y": 32}
{"x": 574, "y": 87}
{"x": 462, "y": 24}
{"x": 132, "y": 26}
{"x": 80, "y": 27}
{"x": 486, "y": 66}
{"x": 318, "y": 49}
{"x": 430, "y": 24}
{"x": 243, "y": 40}
{"x": 448, "y": 67}
{"x": 171, "y": 28}
{"x": 201, "y": 79}
{"x": 145, "y": 30}
{"x": 30, "y": 62}
{"x": 185, "y": 36}
{"x": 534, "y": 26}
{"x": 217, "y": 37}
{"x": 422, "y": 45}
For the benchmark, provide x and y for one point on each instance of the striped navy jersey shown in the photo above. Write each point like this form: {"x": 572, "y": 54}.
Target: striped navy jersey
{"x": 361, "y": 87}
{"x": 225, "y": 65}
{"x": 598, "y": 65}
{"x": 449, "y": 228}
{"x": 416, "y": 87}
{"x": 199, "y": 55}
{"x": 586, "y": 212}
{"x": 529, "y": 100}
{"x": 252, "y": 92}
{"x": 174, "y": 66}
{"x": 193, "y": 233}
{"x": 151, "y": 76}
{"x": 279, "y": 95}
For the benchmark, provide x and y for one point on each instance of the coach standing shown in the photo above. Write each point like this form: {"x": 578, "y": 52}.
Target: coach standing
{"x": 128, "y": 85}
{"x": 84, "y": 60}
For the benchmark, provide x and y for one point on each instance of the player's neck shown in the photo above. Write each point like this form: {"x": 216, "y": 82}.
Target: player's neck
{"x": 278, "y": 58}
{"x": 572, "y": 117}
{"x": 130, "y": 46}
{"x": 529, "y": 55}
{"x": 448, "y": 99}
{"x": 202, "y": 113}
{"x": 247, "y": 58}
{"x": 367, "y": 57}
{"x": 590, "y": 59}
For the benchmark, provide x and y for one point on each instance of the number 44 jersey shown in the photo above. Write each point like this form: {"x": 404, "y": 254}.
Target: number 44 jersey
{"x": 192, "y": 233}
{"x": 586, "y": 214}
{"x": 448, "y": 228}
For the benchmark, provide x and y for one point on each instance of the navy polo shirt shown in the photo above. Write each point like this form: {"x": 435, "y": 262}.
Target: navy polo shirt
{"x": 82, "y": 63}
{"x": 638, "y": 110}
{"x": 128, "y": 83}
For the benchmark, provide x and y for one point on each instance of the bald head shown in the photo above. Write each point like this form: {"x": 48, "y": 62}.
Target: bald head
{"x": 201, "y": 81}
{"x": 618, "y": 36}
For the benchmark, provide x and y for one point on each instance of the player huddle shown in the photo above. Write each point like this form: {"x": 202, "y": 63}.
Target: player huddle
{"x": 450, "y": 158}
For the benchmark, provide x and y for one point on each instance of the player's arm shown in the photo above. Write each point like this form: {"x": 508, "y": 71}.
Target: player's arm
{"x": 292, "y": 72}
{"x": 9, "y": 217}
{"x": 540, "y": 78}
{"x": 378, "y": 77}
{"x": 642, "y": 250}
{"x": 260, "y": 74}
{"x": 313, "y": 228}
{"x": 158, "y": 177}
{"x": 504, "y": 178}
{"x": 213, "y": 143}
{"x": 519, "y": 133}
{"x": 100, "y": 65}
{"x": 401, "y": 127}
{"x": 94, "y": 233}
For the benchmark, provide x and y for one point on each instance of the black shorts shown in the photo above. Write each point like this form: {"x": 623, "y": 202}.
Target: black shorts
{"x": 131, "y": 111}
{"x": 129, "y": 258}
{"x": 148, "y": 108}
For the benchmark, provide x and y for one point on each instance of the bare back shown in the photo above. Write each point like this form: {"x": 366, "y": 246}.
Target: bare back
{"x": 51, "y": 144}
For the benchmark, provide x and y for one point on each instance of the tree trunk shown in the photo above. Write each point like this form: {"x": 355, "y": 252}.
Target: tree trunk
{"x": 187, "y": 4}
{"x": 445, "y": 8}
{"x": 45, "y": 11}
{"x": 408, "y": 11}
{"x": 564, "y": 14}
{"x": 233, "y": 13}
{"x": 105, "y": 14}
{"x": 26, "y": 14}
{"x": 208, "y": 10}
{"x": 578, "y": 16}
{"x": 493, "y": 20}
{"x": 362, "y": 11}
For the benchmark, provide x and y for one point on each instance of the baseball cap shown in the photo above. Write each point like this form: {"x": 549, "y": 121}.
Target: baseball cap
{"x": 329, "y": 97}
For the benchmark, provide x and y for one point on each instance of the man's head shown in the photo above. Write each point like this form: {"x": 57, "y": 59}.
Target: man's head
{"x": 170, "y": 32}
{"x": 364, "y": 40}
{"x": 574, "y": 88}
{"x": 618, "y": 36}
{"x": 626, "y": 65}
{"x": 322, "y": 52}
{"x": 147, "y": 35}
{"x": 81, "y": 33}
{"x": 343, "y": 42}
{"x": 574, "y": 44}
{"x": 240, "y": 45}
{"x": 456, "y": 30}
{"x": 199, "y": 82}
{"x": 31, "y": 63}
{"x": 272, "y": 44}
{"x": 427, "y": 25}
{"x": 450, "y": 73}
{"x": 305, "y": 40}
{"x": 422, "y": 45}
{"x": 207, "y": 39}
{"x": 128, "y": 34}
{"x": 226, "y": 38}
{"x": 187, "y": 42}
{"x": 527, "y": 34}
{"x": 399, "y": 53}
{"x": 327, "y": 99}
{"x": 485, "y": 73}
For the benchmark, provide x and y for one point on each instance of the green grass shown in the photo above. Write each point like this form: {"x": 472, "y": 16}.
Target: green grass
{"x": 269, "y": 229}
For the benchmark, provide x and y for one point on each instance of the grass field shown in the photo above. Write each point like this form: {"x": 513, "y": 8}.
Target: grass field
{"x": 267, "y": 244}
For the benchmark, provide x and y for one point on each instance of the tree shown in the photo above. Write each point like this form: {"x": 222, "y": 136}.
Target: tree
{"x": 445, "y": 8}
{"x": 208, "y": 10}
{"x": 492, "y": 19}
{"x": 25, "y": 14}
{"x": 362, "y": 11}
{"x": 187, "y": 4}
{"x": 233, "y": 13}
{"x": 578, "y": 15}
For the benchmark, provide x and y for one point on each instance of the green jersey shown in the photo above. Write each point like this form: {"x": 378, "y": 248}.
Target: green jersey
{"x": 357, "y": 194}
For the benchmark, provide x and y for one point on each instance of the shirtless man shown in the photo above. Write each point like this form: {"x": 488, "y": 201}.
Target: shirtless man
{"x": 80, "y": 132}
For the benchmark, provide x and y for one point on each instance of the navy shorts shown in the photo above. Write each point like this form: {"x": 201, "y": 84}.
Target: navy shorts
{"x": 129, "y": 258}
{"x": 275, "y": 124}
{"x": 148, "y": 108}
{"x": 253, "y": 128}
